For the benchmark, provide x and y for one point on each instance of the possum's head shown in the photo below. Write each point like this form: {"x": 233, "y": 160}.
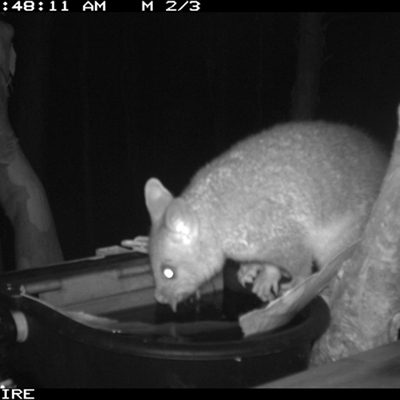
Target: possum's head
{"x": 177, "y": 253}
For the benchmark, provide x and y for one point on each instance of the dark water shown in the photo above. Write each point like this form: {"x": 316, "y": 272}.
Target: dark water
{"x": 212, "y": 318}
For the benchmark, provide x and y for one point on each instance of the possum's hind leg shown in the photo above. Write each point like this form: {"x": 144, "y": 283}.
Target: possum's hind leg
{"x": 266, "y": 279}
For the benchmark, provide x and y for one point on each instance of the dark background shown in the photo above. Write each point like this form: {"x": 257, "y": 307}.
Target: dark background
{"x": 101, "y": 102}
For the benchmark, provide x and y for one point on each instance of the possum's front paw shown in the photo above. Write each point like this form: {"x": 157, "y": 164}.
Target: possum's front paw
{"x": 267, "y": 284}
{"x": 265, "y": 279}
{"x": 248, "y": 273}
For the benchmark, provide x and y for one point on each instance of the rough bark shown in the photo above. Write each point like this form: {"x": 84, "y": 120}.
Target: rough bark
{"x": 21, "y": 193}
{"x": 365, "y": 303}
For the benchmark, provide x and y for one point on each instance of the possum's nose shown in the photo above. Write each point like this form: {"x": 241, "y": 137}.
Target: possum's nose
{"x": 161, "y": 298}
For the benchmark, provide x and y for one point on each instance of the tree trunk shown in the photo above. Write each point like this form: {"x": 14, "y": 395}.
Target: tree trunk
{"x": 306, "y": 87}
{"x": 21, "y": 194}
{"x": 365, "y": 303}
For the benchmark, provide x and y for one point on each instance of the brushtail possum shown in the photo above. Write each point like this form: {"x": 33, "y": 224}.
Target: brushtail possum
{"x": 276, "y": 202}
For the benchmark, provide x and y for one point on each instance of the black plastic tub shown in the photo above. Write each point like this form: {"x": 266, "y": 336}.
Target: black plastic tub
{"x": 60, "y": 352}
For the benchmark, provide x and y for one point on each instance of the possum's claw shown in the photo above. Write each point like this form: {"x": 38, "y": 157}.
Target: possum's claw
{"x": 265, "y": 279}
{"x": 248, "y": 273}
{"x": 267, "y": 286}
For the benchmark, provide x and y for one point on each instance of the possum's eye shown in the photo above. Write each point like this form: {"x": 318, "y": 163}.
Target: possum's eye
{"x": 168, "y": 272}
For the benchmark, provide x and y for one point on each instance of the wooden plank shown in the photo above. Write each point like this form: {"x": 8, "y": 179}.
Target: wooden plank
{"x": 81, "y": 288}
{"x": 119, "y": 302}
{"x": 377, "y": 368}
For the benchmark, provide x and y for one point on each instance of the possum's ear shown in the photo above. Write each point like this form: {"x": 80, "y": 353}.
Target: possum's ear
{"x": 157, "y": 198}
{"x": 181, "y": 220}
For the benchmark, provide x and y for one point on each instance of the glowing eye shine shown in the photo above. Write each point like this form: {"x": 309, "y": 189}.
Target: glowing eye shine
{"x": 168, "y": 273}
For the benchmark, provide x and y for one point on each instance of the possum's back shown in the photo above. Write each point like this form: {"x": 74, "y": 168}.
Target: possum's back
{"x": 313, "y": 172}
